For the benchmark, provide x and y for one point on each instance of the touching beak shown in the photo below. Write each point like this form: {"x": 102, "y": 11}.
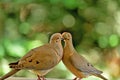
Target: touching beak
{"x": 62, "y": 38}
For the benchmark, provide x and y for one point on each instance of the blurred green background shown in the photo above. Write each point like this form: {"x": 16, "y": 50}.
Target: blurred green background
{"x": 94, "y": 24}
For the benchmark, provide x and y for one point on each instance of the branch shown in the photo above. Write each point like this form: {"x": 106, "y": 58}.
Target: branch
{"x": 22, "y": 78}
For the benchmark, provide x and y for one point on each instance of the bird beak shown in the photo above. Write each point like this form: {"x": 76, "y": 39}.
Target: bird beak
{"x": 62, "y": 38}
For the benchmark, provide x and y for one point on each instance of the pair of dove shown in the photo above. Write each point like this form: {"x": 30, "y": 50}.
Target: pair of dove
{"x": 43, "y": 59}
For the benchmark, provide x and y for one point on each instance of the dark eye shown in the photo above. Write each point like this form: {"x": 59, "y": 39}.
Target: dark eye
{"x": 66, "y": 38}
{"x": 58, "y": 38}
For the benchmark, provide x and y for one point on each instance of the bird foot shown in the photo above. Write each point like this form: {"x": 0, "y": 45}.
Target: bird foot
{"x": 41, "y": 77}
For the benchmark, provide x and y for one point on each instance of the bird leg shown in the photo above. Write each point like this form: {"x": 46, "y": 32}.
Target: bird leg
{"x": 39, "y": 78}
{"x": 43, "y": 78}
{"x": 76, "y": 78}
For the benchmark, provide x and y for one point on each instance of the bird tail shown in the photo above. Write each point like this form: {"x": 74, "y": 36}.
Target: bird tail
{"x": 15, "y": 65}
{"x": 9, "y": 74}
{"x": 100, "y": 76}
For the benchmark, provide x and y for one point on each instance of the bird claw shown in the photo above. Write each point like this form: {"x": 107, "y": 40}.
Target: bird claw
{"x": 41, "y": 77}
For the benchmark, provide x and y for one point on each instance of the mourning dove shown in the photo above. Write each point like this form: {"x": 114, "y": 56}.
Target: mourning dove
{"x": 76, "y": 63}
{"x": 40, "y": 60}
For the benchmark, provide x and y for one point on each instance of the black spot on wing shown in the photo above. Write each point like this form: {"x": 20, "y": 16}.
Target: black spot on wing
{"x": 88, "y": 64}
{"x": 37, "y": 62}
{"x": 15, "y": 63}
{"x": 30, "y": 60}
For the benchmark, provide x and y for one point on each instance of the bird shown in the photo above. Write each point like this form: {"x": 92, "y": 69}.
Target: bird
{"x": 40, "y": 60}
{"x": 76, "y": 63}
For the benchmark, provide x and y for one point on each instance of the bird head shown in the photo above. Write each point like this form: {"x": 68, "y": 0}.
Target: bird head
{"x": 66, "y": 36}
{"x": 57, "y": 37}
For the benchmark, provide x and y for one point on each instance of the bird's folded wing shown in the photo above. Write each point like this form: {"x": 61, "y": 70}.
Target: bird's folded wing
{"x": 82, "y": 64}
{"x": 41, "y": 58}
{"x": 31, "y": 52}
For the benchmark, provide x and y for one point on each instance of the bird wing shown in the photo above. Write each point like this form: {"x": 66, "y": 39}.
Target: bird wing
{"x": 43, "y": 57}
{"x": 83, "y": 65}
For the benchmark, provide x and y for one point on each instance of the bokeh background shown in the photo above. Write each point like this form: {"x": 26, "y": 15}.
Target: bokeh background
{"x": 94, "y": 24}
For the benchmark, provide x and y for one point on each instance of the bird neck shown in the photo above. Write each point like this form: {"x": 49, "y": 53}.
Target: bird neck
{"x": 58, "y": 48}
{"x": 69, "y": 48}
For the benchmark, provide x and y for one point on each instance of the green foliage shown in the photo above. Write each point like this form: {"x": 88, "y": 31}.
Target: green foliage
{"x": 103, "y": 42}
{"x": 113, "y": 40}
{"x": 24, "y": 28}
{"x": 2, "y": 51}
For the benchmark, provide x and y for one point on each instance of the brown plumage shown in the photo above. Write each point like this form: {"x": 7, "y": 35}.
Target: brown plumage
{"x": 76, "y": 63}
{"x": 40, "y": 60}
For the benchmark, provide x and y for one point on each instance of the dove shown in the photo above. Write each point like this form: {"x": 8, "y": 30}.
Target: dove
{"x": 76, "y": 63}
{"x": 40, "y": 60}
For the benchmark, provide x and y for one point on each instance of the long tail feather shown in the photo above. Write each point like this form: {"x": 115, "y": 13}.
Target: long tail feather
{"x": 9, "y": 74}
{"x": 102, "y": 77}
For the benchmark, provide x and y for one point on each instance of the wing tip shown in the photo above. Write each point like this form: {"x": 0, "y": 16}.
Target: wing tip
{"x": 15, "y": 65}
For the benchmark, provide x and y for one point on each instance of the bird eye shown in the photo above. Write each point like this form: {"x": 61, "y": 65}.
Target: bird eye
{"x": 66, "y": 39}
{"x": 58, "y": 38}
